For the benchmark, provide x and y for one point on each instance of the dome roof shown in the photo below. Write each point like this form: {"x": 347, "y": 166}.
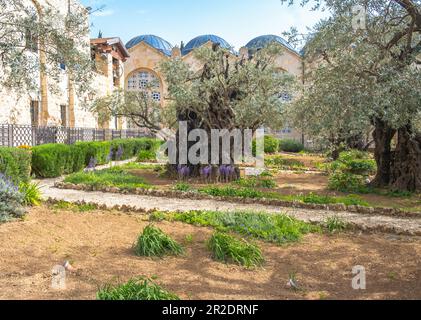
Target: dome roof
{"x": 154, "y": 41}
{"x": 201, "y": 40}
{"x": 263, "y": 41}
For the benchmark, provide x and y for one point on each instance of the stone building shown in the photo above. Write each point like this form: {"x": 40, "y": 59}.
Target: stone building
{"x": 133, "y": 66}
{"x": 63, "y": 105}
{"x": 148, "y": 51}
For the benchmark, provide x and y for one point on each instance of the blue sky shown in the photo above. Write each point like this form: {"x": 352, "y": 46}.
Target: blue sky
{"x": 237, "y": 21}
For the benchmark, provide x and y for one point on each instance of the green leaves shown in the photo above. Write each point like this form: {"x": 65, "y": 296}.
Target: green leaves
{"x": 229, "y": 249}
{"x": 155, "y": 243}
{"x": 135, "y": 290}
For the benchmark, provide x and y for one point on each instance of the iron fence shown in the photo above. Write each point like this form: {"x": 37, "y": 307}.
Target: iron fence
{"x": 12, "y": 135}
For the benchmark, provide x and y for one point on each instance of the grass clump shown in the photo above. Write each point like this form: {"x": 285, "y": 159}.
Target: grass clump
{"x": 257, "y": 182}
{"x": 183, "y": 187}
{"x": 135, "y": 290}
{"x": 278, "y": 229}
{"x": 229, "y": 249}
{"x": 335, "y": 225}
{"x": 153, "y": 242}
{"x": 31, "y": 193}
{"x": 282, "y": 163}
{"x": 113, "y": 177}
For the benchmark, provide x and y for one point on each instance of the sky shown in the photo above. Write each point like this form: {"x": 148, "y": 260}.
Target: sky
{"x": 236, "y": 21}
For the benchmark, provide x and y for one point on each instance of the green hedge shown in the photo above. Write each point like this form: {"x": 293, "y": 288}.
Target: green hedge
{"x": 290, "y": 146}
{"x": 54, "y": 160}
{"x": 16, "y": 164}
{"x": 271, "y": 145}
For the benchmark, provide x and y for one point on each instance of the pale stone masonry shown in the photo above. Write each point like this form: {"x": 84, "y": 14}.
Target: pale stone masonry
{"x": 119, "y": 66}
{"x": 64, "y": 106}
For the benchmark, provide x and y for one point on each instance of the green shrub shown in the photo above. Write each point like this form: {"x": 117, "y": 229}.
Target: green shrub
{"x": 155, "y": 243}
{"x": 97, "y": 150}
{"x": 182, "y": 186}
{"x": 357, "y": 162}
{"x": 135, "y": 290}
{"x": 11, "y": 200}
{"x": 271, "y": 145}
{"x": 284, "y": 164}
{"x": 229, "y": 249}
{"x": 16, "y": 164}
{"x": 291, "y": 146}
{"x": 54, "y": 160}
{"x": 257, "y": 182}
{"x": 145, "y": 155}
{"x": 31, "y": 193}
{"x": 350, "y": 172}
{"x": 347, "y": 182}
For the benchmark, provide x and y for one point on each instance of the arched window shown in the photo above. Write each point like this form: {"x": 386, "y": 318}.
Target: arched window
{"x": 145, "y": 80}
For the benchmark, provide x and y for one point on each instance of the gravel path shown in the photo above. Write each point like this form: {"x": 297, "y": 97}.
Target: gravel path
{"x": 401, "y": 226}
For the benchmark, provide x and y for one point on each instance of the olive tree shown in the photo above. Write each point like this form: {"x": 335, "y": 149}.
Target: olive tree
{"x": 39, "y": 39}
{"x": 367, "y": 71}
{"x": 228, "y": 92}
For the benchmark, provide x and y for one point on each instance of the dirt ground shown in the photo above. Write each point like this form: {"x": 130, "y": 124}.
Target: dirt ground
{"x": 99, "y": 244}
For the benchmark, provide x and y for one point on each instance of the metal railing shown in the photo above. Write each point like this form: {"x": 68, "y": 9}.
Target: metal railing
{"x": 13, "y": 135}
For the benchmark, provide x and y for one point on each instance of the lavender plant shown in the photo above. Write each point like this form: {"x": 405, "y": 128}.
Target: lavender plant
{"x": 183, "y": 172}
{"x": 110, "y": 155}
{"x": 206, "y": 173}
{"x": 92, "y": 164}
{"x": 119, "y": 153}
{"x": 11, "y": 200}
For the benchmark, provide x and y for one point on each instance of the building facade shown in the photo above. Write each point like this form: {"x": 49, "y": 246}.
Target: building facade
{"x": 63, "y": 105}
{"x": 134, "y": 66}
{"x": 148, "y": 51}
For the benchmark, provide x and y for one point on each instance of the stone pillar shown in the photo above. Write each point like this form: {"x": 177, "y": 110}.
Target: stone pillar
{"x": 71, "y": 89}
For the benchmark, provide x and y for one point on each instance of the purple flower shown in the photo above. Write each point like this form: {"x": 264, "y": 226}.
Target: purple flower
{"x": 223, "y": 170}
{"x": 119, "y": 153}
{"x": 206, "y": 171}
{"x": 110, "y": 155}
{"x": 183, "y": 171}
{"x": 92, "y": 163}
{"x": 7, "y": 183}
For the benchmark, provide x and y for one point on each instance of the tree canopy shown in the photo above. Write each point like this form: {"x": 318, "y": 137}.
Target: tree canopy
{"x": 367, "y": 72}
{"x": 33, "y": 40}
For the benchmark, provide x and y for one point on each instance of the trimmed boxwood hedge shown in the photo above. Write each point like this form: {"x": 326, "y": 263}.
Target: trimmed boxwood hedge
{"x": 290, "y": 146}
{"x": 16, "y": 164}
{"x": 54, "y": 160}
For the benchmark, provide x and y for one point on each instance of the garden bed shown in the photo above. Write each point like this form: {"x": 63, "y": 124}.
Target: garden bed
{"x": 99, "y": 243}
{"x": 295, "y": 190}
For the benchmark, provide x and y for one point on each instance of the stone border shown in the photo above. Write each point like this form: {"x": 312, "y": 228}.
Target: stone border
{"x": 350, "y": 226}
{"x": 270, "y": 202}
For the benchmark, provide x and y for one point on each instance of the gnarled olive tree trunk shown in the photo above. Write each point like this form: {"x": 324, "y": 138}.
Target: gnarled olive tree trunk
{"x": 382, "y": 135}
{"x": 406, "y": 165}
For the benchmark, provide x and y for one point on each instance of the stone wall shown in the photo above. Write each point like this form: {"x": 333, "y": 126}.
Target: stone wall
{"x": 15, "y": 105}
